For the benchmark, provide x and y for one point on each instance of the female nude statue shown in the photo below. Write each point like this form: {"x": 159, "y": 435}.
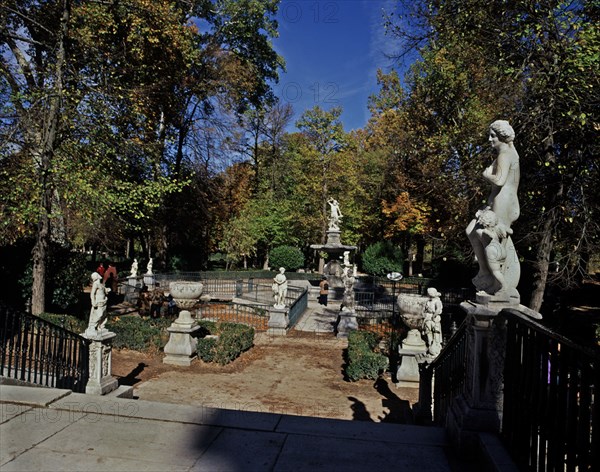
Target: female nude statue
{"x": 504, "y": 176}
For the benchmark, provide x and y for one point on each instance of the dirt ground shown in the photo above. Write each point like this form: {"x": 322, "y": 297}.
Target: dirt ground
{"x": 299, "y": 374}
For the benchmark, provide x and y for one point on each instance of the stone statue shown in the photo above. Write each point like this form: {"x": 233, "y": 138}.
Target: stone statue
{"x": 348, "y": 298}
{"x": 432, "y": 322}
{"x": 98, "y": 297}
{"x": 134, "y": 268}
{"x": 489, "y": 232}
{"x": 336, "y": 215}
{"x": 149, "y": 267}
{"x": 347, "y": 258}
{"x": 280, "y": 287}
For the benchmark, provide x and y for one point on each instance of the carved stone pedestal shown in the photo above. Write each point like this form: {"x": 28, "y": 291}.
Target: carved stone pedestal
{"x": 131, "y": 289}
{"x": 479, "y": 408}
{"x": 347, "y": 323}
{"x": 100, "y": 380}
{"x": 149, "y": 281}
{"x": 278, "y": 321}
{"x": 410, "y": 348}
{"x": 181, "y": 348}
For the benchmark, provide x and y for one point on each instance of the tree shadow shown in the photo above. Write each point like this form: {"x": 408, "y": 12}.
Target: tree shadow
{"x": 130, "y": 379}
{"x": 399, "y": 411}
{"x": 359, "y": 410}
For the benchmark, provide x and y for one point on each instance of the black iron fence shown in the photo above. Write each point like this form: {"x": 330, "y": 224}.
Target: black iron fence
{"x": 36, "y": 351}
{"x": 256, "y": 316}
{"x": 550, "y": 419}
{"x": 449, "y": 370}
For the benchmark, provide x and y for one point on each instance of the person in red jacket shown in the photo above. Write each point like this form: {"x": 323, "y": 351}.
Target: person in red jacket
{"x": 101, "y": 270}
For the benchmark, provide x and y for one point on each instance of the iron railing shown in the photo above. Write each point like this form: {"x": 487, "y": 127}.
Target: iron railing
{"x": 550, "y": 419}
{"x": 298, "y": 305}
{"x": 256, "y": 316}
{"x": 449, "y": 370}
{"x": 36, "y": 351}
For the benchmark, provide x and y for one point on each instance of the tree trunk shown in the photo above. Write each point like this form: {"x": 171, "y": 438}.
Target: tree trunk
{"x": 49, "y": 124}
{"x": 542, "y": 262}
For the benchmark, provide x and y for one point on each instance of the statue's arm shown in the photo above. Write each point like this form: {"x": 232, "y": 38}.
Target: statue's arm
{"x": 498, "y": 172}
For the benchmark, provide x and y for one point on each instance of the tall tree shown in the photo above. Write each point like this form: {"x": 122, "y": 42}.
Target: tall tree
{"x": 326, "y": 135}
{"x": 532, "y": 60}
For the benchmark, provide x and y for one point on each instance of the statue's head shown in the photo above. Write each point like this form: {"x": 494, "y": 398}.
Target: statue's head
{"x": 503, "y": 130}
{"x": 282, "y": 270}
{"x": 95, "y": 276}
{"x": 433, "y": 293}
{"x": 488, "y": 219}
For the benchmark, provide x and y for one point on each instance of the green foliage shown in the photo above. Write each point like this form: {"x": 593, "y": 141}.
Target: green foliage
{"x": 137, "y": 334}
{"x": 381, "y": 258}
{"x": 68, "y": 322}
{"x": 233, "y": 339}
{"x": 65, "y": 278}
{"x": 363, "y": 361}
{"x": 289, "y": 257}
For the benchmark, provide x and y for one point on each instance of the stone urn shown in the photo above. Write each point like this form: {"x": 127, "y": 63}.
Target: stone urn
{"x": 186, "y": 294}
{"x": 412, "y": 309}
{"x": 181, "y": 347}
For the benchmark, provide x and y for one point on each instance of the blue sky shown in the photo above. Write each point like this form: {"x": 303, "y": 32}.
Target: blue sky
{"x": 332, "y": 51}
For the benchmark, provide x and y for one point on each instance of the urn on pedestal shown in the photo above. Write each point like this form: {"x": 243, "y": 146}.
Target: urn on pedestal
{"x": 181, "y": 347}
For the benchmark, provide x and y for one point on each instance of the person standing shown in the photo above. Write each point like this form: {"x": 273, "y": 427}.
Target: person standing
{"x": 111, "y": 278}
{"x": 156, "y": 302}
{"x": 323, "y": 291}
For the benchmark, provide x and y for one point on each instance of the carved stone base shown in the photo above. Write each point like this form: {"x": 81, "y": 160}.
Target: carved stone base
{"x": 278, "y": 321}
{"x": 347, "y": 323}
{"x": 333, "y": 238}
{"x": 100, "y": 381}
{"x": 181, "y": 348}
{"x": 410, "y": 349}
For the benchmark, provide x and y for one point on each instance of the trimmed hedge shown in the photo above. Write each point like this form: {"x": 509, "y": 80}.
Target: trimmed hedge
{"x": 289, "y": 257}
{"x": 138, "y": 334}
{"x": 233, "y": 339}
{"x": 363, "y": 361}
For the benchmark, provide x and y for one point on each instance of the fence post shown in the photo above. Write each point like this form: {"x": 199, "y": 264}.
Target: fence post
{"x": 423, "y": 413}
{"x": 479, "y": 407}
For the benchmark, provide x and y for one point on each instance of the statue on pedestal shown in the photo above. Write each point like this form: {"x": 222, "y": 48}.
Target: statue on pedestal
{"x": 149, "y": 267}
{"x": 280, "y": 287}
{"x": 489, "y": 232}
{"x": 432, "y": 323}
{"x": 99, "y": 299}
{"x": 336, "y": 215}
{"x": 134, "y": 268}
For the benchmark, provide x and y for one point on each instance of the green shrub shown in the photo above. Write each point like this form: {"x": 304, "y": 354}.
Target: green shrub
{"x": 286, "y": 256}
{"x": 381, "y": 258}
{"x": 136, "y": 333}
{"x": 206, "y": 349}
{"x": 233, "y": 339}
{"x": 68, "y": 322}
{"x": 363, "y": 361}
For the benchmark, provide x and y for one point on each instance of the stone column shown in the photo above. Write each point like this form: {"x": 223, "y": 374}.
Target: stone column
{"x": 347, "y": 323}
{"x": 479, "y": 407}
{"x": 130, "y": 289}
{"x": 181, "y": 348}
{"x": 410, "y": 348}
{"x": 100, "y": 380}
{"x": 278, "y": 321}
